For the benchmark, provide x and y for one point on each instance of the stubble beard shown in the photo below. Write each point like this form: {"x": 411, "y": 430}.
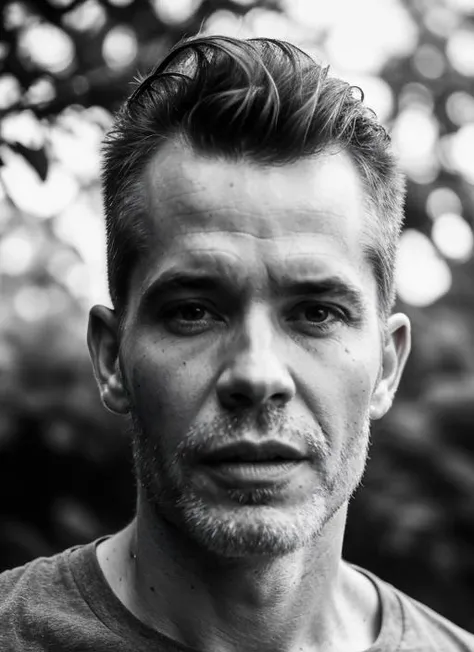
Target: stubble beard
{"x": 251, "y": 523}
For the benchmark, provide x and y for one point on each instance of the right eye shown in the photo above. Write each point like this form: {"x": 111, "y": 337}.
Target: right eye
{"x": 189, "y": 318}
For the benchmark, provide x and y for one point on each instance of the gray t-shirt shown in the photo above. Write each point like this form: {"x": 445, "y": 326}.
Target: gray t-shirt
{"x": 64, "y": 604}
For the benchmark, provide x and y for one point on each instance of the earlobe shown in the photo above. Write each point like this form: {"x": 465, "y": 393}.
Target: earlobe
{"x": 103, "y": 342}
{"x": 395, "y": 353}
{"x": 113, "y": 395}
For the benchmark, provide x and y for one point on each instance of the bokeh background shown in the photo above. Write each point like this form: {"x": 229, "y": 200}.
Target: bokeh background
{"x": 65, "y": 66}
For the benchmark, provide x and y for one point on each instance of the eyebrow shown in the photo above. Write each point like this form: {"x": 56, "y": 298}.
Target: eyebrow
{"x": 185, "y": 280}
{"x": 334, "y": 286}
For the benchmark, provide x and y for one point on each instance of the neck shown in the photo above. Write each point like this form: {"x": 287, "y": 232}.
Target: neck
{"x": 293, "y": 602}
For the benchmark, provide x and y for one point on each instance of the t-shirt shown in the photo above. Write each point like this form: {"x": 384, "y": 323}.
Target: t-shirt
{"x": 64, "y": 604}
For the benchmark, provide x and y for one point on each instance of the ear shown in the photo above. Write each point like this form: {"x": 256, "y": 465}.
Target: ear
{"x": 103, "y": 342}
{"x": 396, "y": 349}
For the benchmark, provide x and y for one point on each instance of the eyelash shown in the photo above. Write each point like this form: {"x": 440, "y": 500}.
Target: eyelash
{"x": 337, "y": 316}
{"x": 170, "y": 316}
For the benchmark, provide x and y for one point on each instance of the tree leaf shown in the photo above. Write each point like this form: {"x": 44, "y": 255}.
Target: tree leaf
{"x": 36, "y": 158}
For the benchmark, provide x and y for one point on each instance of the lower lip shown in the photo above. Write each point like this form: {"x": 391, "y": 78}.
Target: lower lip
{"x": 254, "y": 473}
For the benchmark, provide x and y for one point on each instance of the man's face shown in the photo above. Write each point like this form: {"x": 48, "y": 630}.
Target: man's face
{"x": 252, "y": 348}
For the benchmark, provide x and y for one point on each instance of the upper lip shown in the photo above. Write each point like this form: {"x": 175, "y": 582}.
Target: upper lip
{"x": 252, "y": 452}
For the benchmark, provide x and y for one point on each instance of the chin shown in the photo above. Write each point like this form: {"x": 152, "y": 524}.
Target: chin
{"x": 245, "y": 530}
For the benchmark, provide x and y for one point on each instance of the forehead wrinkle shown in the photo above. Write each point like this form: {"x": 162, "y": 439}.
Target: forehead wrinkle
{"x": 193, "y": 197}
{"x": 204, "y": 262}
{"x": 233, "y": 263}
{"x": 271, "y": 233}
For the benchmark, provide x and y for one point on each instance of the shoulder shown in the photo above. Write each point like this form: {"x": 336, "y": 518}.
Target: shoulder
{"x": 418, "y": 627}
{"x": 26, "y": 588}
{"x": 35, "y": 599}
{"x": 422, "y": 623}
{"x": 34, "y": 580}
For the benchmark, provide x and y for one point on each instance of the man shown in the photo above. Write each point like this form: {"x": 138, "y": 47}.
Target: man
{"x": 253, "y": 208}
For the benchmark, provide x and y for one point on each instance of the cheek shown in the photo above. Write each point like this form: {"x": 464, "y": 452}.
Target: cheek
{"x": 340, "y": 380}
{"x": 167, "y": 389}
{"x": 360, "y": 379}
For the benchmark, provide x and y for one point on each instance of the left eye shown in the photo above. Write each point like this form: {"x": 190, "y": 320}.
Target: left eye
{"x": 316, "y": 317}
{"x": 316, "y": 314}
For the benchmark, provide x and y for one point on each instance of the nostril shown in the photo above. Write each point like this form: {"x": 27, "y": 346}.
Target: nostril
{"x": 280, "y": 398}
{"x": 246, "y": 388}
{"x": 239, "y": 399}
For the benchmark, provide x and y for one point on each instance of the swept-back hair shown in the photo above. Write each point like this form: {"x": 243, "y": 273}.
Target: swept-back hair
{"x": 261, "y": 100}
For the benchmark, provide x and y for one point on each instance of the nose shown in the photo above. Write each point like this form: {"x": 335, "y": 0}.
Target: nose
{"x": 255, "y": 372}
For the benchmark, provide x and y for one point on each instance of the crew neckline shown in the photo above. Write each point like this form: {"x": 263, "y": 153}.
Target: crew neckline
{"x": 92, "y": 584}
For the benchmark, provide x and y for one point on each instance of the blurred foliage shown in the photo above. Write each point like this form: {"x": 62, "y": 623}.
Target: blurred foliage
{"x": 65, "y": 66}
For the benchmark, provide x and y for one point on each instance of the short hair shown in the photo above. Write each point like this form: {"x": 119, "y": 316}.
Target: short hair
{"x": 261, "y": 100}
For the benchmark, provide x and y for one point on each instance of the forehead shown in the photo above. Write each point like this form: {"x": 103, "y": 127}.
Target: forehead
{"x": 297, "y": 216}
{"x": 181, "y": 184}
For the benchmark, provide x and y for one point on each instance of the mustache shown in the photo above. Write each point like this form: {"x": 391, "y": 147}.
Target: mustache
{"x": 203, "y": 439}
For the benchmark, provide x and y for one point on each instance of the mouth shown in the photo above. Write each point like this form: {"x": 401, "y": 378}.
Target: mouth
{"x": 246, "y": 463}
{"x": 244, "y": 451}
